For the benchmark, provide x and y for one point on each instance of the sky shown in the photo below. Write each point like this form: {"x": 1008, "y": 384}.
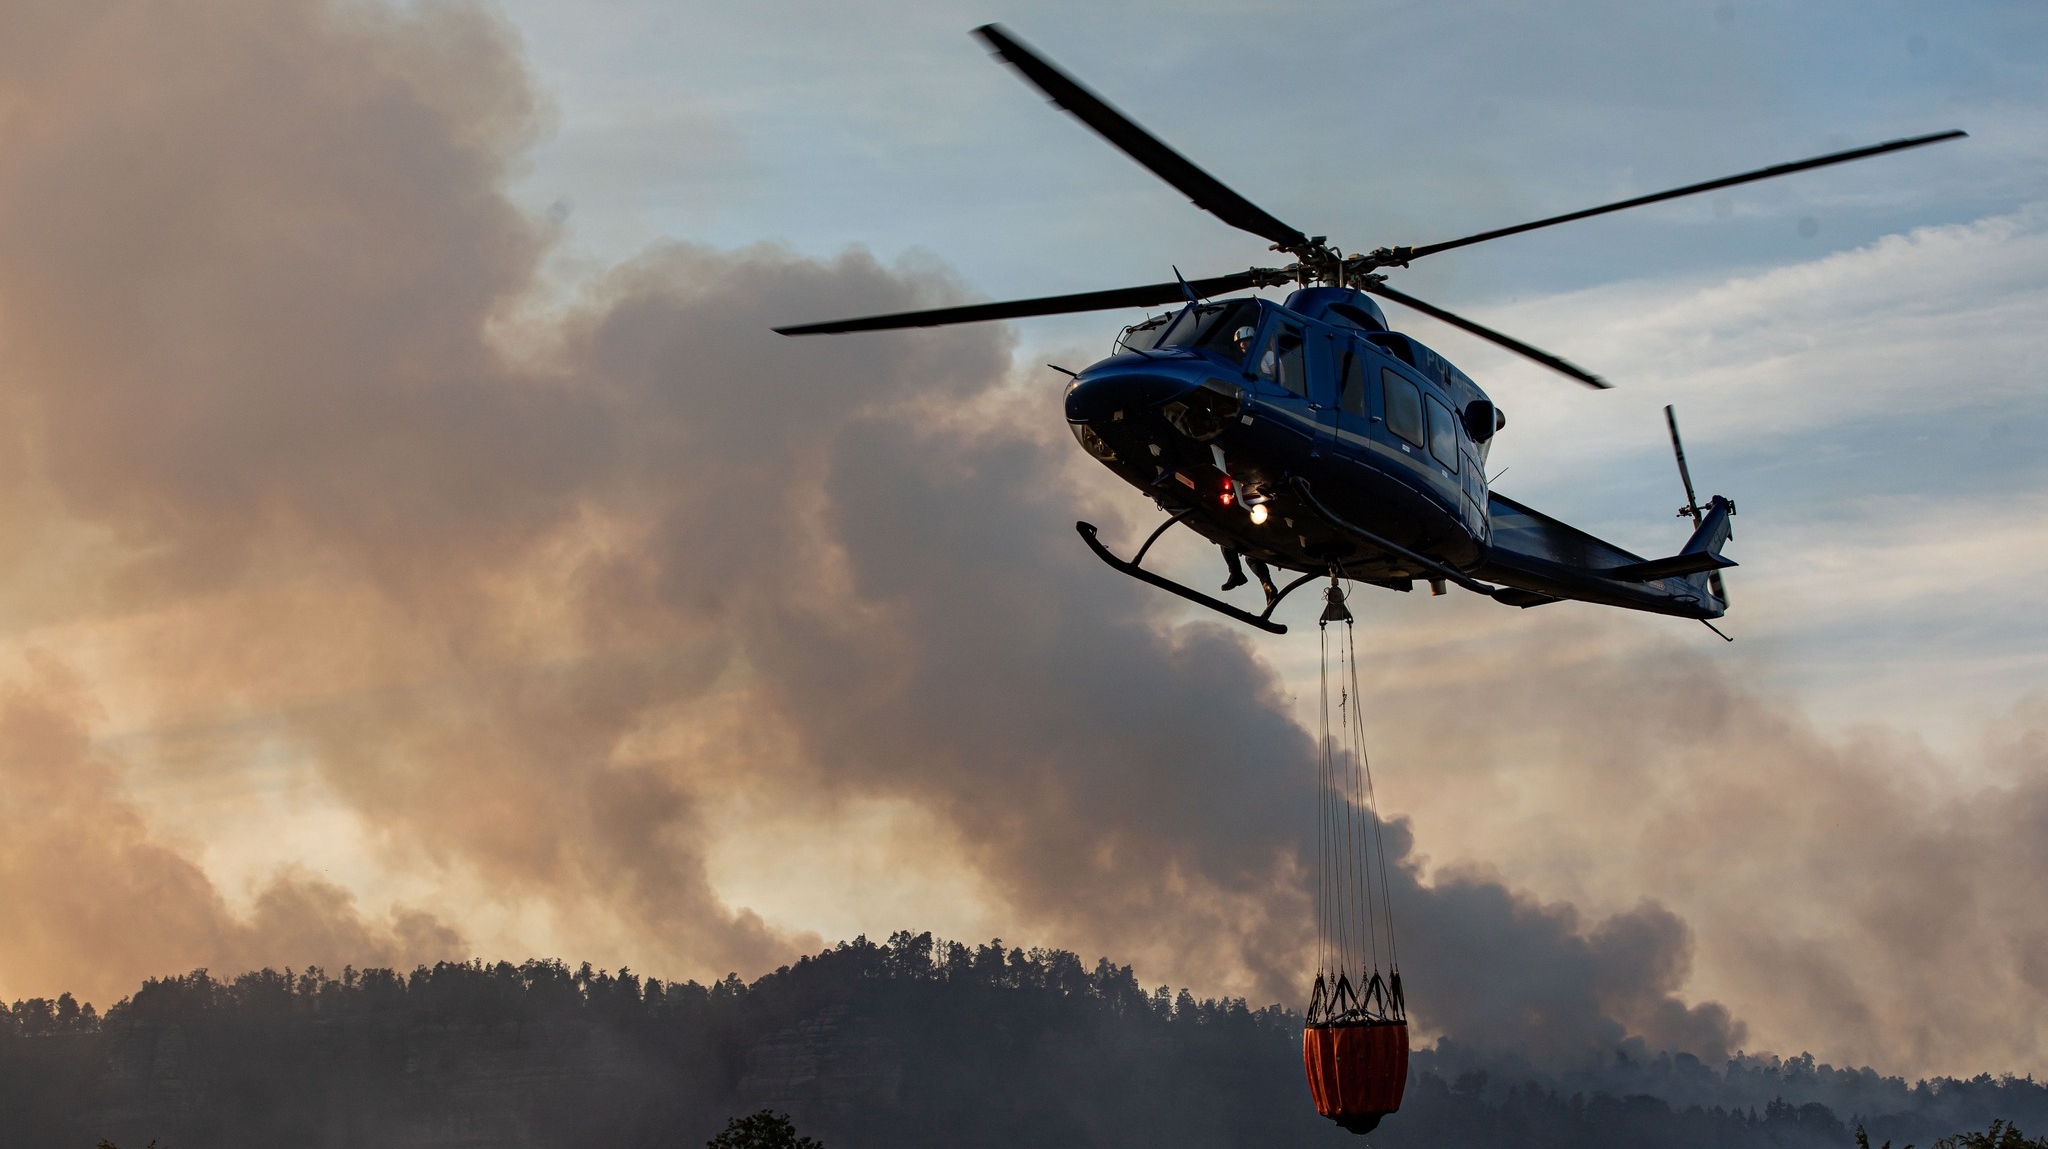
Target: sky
{"x": 419, "y": 548}
{"x": 888, "y": 129}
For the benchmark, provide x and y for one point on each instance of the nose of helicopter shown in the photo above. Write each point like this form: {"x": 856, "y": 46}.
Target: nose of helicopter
{"x": 1100, "y": 393}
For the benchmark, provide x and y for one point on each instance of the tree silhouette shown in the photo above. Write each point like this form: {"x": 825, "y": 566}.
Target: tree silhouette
{"x": 770, "y": 1130}
{"x": 2000, "y": 1135}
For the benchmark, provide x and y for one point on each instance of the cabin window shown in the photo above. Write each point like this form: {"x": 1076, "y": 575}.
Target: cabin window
{"x": 1283, "y": 362}
{"x": 1443, "y": 434}
{"x": 1404, "y": 406}
{"x": 1352, "y": 397}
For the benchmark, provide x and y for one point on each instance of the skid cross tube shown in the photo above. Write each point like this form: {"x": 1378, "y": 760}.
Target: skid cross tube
{"x": 1264, "y": 621}
{"x": 1393, "y": 548}
{"x": 1139, "y": 558}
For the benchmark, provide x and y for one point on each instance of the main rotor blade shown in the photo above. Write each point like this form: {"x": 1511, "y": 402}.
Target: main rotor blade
{"x": 1691, "y": 189}
{"x": 1490, "y": 335}
{"x": 1208, "y": 192}
{"x": 1147, "y": 296}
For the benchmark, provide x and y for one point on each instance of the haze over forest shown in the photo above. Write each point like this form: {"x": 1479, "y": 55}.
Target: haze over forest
{"x": 411, "y": 554}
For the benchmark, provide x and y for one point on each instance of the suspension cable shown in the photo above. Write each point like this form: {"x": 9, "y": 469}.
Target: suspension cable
{"x": 1350, "y": 842}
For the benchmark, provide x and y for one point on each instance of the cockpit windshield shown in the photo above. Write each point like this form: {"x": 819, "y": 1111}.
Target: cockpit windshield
{"x": 1143, "y": 336}
{"x": 1214, "y": 327}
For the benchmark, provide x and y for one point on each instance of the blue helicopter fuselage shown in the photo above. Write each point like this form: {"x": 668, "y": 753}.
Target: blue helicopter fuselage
{"x": 1245, "y": 414}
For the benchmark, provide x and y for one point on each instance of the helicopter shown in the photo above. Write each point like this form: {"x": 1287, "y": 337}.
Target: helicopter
{"x": 1309, "y": 436}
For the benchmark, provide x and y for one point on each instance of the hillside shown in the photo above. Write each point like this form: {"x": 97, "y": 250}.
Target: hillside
{"x": 908, "y": 1043}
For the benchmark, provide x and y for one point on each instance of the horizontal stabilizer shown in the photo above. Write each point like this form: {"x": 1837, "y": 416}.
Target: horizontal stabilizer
{"x": 1667, "y": 568}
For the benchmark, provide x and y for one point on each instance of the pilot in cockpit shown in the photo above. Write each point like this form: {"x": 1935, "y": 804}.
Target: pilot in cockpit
{"x": 1242, "y": 339}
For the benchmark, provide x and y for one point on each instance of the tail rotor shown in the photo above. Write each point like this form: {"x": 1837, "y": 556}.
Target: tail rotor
{"x": 1692, "y": 502}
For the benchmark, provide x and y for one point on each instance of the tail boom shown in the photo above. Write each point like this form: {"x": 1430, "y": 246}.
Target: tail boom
{"x": 1538, "y": 560}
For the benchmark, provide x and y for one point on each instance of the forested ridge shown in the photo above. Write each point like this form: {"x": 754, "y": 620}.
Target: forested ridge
{"x": 910, "y": 1042}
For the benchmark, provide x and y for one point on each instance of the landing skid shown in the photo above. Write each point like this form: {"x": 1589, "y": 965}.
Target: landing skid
{"x": 1262, "y": 621}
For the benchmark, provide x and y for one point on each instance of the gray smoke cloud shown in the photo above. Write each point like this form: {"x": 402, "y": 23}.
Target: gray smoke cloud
{"x": 1854, "y": 894}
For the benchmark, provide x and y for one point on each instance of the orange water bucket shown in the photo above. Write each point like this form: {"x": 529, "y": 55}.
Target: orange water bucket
{"x": 1357, "y": 1070}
